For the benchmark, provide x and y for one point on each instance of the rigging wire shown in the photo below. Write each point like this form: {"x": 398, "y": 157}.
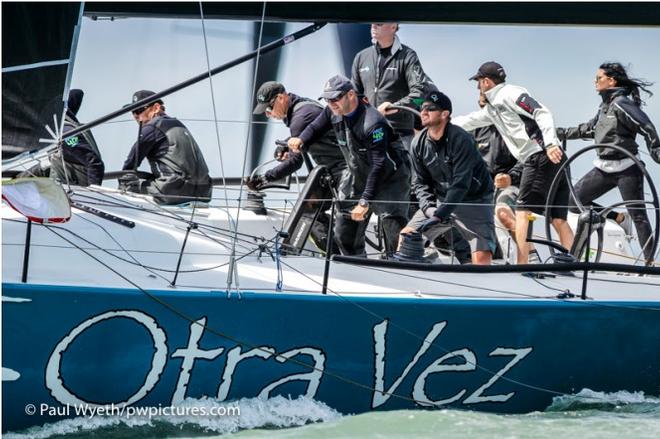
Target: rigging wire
{"x": 215, "y": 111}
{"x": 232, "y": 263}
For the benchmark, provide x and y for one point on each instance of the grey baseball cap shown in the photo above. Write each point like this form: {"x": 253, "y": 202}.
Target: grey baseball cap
{"x": 336, "y": 86}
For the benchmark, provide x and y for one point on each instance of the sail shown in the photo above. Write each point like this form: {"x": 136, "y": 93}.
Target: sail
{"x": 36, "y": 52}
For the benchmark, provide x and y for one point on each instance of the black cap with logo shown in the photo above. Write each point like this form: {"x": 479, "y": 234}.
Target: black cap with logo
{"x": 138, "y": 96}
{"x": 490, "y": 69}
{"x": 267, "y": 93}
{"x": 439, "y": 99}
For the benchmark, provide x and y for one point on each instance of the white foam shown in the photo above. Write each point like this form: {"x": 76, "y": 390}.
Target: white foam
{"x": 588, "y": 396}
{"x": 278, "y": 412}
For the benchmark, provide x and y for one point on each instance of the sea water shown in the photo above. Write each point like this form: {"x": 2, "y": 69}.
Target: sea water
{"x": 585, "y": 415}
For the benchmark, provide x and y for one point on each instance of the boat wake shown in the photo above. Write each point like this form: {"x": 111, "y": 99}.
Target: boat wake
{"x": 619, "y": 402}
{"x": 229, "y": 417}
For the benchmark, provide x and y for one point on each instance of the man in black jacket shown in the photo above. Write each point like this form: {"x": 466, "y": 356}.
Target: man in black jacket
{"x": 379, "y": 173}
{"x": 297, "y": 112}
{"x": 451, "y": 181}
{"x": 78, "y": 161}
{"x": 180, "y": 171}
{"x": 389, "y": 73}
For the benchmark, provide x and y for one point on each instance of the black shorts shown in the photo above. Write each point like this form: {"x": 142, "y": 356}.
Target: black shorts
{"x": 537, "y": 175}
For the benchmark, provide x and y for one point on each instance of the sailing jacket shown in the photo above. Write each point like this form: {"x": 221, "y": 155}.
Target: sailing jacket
{"x": 526, "y": 126}
{"x": 377, "y": 161}
{"x": 402, "y": 83}
{"x": 81, "y": 157}
{"x": 325, "y": 151}
{"x": 449, "y": 169}
{"x": 617, "y": 122}
{"x": 175, "y": 159}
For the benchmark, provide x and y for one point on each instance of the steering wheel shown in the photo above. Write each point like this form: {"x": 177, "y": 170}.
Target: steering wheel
{"x": 598, "y": 219}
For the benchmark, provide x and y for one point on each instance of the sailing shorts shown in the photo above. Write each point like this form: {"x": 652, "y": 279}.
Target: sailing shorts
{"x": 473, "y": 221}
{"x": 537, "y": 175}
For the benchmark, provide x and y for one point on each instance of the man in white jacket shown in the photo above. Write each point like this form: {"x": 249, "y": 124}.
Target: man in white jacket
{"x": 528, "y": 130}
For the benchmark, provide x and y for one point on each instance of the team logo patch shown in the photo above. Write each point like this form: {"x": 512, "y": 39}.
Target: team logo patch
{"x": 378, "y": 134}
{"x": 72, "y": 141}
{"x": 261, "y": 98}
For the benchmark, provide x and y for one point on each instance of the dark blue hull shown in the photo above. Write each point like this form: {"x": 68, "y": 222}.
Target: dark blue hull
{"x": 75, "y": 345}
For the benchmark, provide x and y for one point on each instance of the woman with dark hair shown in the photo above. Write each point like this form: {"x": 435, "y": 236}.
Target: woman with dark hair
{"x": 619, "y": 120}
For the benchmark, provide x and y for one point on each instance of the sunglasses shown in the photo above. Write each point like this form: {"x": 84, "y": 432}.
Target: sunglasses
{"x": 139, "y": 111}
{"x": 430, "y": 108}
{"x": 271, "y": 104}
{"x": 338, "y": 98}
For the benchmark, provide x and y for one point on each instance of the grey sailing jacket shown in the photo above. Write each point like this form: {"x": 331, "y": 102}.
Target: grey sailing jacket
{"x": 402, "y": 83}
{"x": 618, "y": 122}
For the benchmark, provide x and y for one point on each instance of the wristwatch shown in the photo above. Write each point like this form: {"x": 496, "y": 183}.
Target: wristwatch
{"x": 363, "y": 203}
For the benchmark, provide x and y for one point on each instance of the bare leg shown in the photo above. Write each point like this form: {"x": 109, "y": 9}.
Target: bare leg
{"x": 564, "y": 231}
{"x": 481, "y": 257}
{"x": 522, "y": 224}
{"x": 506, "y": 216}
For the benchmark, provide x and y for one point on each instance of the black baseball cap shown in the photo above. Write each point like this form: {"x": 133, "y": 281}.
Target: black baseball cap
{"x": 143, "y": 94}
{"x": 265, "y": 94}
{"x": 490, "y": 69}
{"x": 439, "y": 99}
{"x": 336, "y": 86}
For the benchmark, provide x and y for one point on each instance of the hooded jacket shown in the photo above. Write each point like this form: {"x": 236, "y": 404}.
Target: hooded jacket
{"x": 526, "y": 126}
{"x": 617, "y": 122}
{"x": 81, "y": 155}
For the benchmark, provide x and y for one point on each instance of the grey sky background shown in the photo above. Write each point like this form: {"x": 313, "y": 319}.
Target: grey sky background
{"x": 557, "y": 64}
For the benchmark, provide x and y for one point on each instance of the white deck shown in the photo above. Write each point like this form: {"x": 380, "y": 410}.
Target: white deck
{"x": 103, "y": 253}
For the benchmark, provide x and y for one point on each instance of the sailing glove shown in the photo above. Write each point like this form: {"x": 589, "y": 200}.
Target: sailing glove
{"x": 256, "y": 183}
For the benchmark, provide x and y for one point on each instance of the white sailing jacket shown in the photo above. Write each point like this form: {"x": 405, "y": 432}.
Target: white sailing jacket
{"x": 526, "y": 126}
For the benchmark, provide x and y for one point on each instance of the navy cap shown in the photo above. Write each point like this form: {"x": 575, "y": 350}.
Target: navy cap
{"x": 143, "y": 94}
{"x": 336, "y": 86}
{"x": 490, "y": 69}
{"x": 439, "y": 99}
{"x": 267, "y": 93}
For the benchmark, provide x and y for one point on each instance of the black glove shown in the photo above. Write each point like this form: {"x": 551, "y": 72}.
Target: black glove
{"x": 561, "y": 134}
{"x": 256, "y": 183}
{"x": 129, "y": 182}
{"x": 281, "y": 148}
{"x": 431, "y": 222}
{"x": 655, "y": 154}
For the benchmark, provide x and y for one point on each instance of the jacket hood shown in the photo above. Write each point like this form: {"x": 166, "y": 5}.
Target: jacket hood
{"x": 74, "y": 102}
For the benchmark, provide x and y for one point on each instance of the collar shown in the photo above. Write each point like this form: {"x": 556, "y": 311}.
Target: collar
{"x": 490, "y": 94}
{"x": 293, "y": 100}
{"x": 396, "y": 45}
{"x": 609, "y": 94}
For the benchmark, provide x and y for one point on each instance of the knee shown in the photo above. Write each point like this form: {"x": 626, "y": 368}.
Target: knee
{"x": 506, "y": 217}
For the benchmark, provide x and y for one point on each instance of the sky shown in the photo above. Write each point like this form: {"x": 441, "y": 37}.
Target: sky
{"x": 557, "y": 65}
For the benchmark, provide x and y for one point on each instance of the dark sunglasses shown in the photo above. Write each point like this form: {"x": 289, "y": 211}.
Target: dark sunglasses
{"x": 337, "y": 99}
{"x": 139, "y": 111}
{"x": 430, "y": 107}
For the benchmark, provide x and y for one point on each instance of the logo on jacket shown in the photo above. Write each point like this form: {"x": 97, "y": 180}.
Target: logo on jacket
{"x": 378, "y": 134}
{"x": 364, "y": 69}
